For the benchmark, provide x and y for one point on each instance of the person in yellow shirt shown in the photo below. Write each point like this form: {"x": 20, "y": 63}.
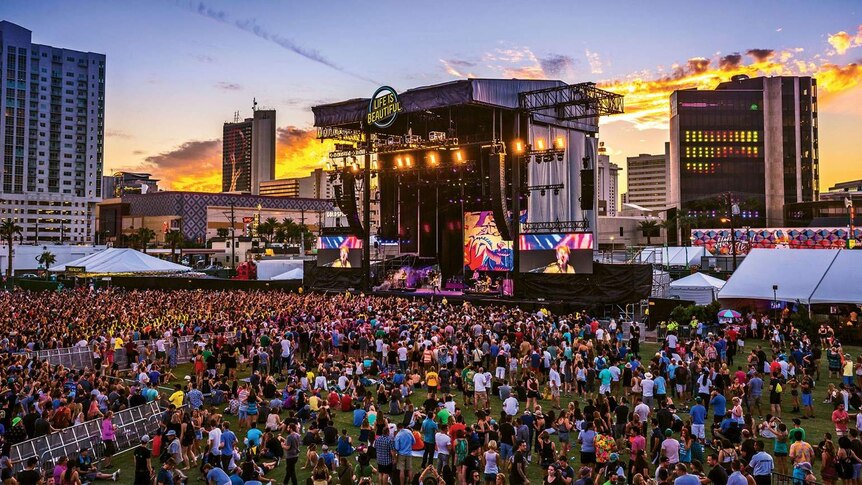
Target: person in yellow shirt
{"x": 177, "y": 397}
{"x": 118, "y": 343}
{"x": 314, "y": 402}
{"x": 432, "y": 380}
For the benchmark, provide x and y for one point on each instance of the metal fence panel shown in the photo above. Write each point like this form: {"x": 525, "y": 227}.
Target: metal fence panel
{"x": 131, "y": 424}
{"x": 70, "y": 357}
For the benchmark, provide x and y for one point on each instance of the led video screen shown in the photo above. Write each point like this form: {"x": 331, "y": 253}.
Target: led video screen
{"x": 339, "y": 252}
{"x": 556, "y": 253}
{"x": 484, "y": 248}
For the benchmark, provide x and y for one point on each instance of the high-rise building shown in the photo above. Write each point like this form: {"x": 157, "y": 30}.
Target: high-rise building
{"x": 53, "y": 127}
{"x": 646, "y": 177}
{"x": 280, "y": 188}
{"x": 607, "y": 177}
{"x": 249, "y": 153}
{"x": 753, "y": 137}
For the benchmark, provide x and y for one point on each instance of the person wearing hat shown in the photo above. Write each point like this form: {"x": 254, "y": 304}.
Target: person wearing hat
{"x": 143, "y": 462}
{"x": 175, "y": 449}
{"x": 802, "y": 473}
{"x": 17, "y": 433}
{"x": 648, "y": 389}
{"x": 614, "y": 469}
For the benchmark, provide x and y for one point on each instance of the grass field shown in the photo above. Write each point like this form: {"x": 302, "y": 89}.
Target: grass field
{"x": 815, "y": 428}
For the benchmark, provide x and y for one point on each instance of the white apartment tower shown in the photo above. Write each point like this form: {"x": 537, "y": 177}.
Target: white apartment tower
{"x": 647, "y": 177}
{"x": 606, "y": 184}
{"x": 53, "y": 130}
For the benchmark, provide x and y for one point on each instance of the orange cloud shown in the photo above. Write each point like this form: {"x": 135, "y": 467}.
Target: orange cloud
{"x": 197, "y": 165}
{"x": 647, "y": 100}
{"x": 842, "y": 41}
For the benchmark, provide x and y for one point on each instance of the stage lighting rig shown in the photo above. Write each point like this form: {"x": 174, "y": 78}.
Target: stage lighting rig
{"x": 543, "y": 189}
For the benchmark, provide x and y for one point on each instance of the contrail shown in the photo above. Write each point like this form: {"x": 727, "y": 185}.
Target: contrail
{"x": 252, "y": 27}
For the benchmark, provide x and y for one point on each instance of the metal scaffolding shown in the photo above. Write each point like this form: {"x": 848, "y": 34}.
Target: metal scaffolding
{"x": 573, "y": 102}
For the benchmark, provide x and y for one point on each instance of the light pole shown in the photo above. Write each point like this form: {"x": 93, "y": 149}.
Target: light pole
{"x": 732, "y": 210}
{"x": 612, "y": 249}
{"x": 775, "y": 302}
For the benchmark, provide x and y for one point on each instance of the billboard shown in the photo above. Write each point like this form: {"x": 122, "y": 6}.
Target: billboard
{"x": 719, "y": 241}
{"x": 556, "y": 253}
{"x": 339, "y": 251}
{"x": 484, "y": 248}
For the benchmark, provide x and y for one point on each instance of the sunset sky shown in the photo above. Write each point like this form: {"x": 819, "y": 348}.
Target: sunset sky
{"x": 176, "y": 70}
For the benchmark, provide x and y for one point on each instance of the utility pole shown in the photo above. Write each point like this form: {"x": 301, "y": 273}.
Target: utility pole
{"x": 851, "y": 237}
{"x": 232, "y": 218}
{"x": 302, "y": 231}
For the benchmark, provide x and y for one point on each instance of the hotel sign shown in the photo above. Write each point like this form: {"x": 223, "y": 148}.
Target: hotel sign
{"x": 76, "y": 269}
{"x": 383, "y": 107}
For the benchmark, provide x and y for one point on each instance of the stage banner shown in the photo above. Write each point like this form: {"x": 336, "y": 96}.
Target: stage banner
{"x": 484, "y": 248}
{"x": 719, "y": 241}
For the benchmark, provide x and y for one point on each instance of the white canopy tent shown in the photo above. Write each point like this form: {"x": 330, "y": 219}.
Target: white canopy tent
{"x": 700, "y": 288}
{"x": 293, "y": 274}
{"x": 672, "y": 256}
{"x": 121, "y": 261}
{"x": 810, "y": 276}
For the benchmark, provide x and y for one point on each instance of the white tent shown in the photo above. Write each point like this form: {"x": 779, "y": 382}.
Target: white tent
{"x": 293, "y": 274}
{"x": 672, "y": 256}
{"x": 122, "y": 261}
{"x": 700, "y": 288}
{"x": 810, "y": 276}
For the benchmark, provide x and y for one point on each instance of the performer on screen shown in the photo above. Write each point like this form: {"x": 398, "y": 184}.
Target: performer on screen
{"x": 343, "y": 262}
{"x": 561, "y": 265}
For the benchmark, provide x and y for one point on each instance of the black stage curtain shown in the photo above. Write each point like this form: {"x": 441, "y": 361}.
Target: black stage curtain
{"x": 608, "y": 284}
{"x": 332, "y": 278}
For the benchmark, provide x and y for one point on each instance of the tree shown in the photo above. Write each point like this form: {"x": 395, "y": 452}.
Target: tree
{"x": 649, "y": 228}
{"x": 175, "y": 239}
{"x": 46, "y": 259}
{"x": 8, "y": 230}
{"x": 685, "y": 221}
{"x": 223, "y": 232}
{"x": 145, "y": 235}
{"x": 266, "y": 228}
{"x": 291, "y": 230}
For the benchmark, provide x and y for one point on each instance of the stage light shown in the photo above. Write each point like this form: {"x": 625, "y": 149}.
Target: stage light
{"x": 586, "y": 161}
{"x": 542, "y": 192}
{"x": 408, "y": 161}
{"x": 328, "y": 166}
{"x": 560, "y": 143}
{"x": 560, "y": 156}
{"x": 399, "y": 161}
{"x": 556, "y": 191}
{"x": 540, "y": 144}
{"x": 432, "y": 158}
{"x": 355, "y": 165}
{"x": 519, "y": 146}
{"x": 548, "y": 157}
{"x": 374, "y": 165}
{"x": 459, "y": 157}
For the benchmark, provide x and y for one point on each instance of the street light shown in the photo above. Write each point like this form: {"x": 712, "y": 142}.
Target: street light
{"x": 775, "y": 302}
{"x": 612, "y": 249}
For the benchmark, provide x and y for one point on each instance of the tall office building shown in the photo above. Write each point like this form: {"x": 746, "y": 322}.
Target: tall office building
{"x": 646, "y": 177}
{"x": 53, "y": 129}
{"x": 607, "y": 178}
{"x": 755, "y": 138}
{"x": 249, "y": 153}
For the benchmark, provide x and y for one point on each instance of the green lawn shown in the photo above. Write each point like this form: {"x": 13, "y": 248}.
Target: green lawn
{"x": 815, "y": 428}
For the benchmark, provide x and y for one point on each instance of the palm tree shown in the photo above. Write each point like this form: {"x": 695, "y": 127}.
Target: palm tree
{"x": 223, "y": 232}
{"x": 175, "y": 239}
{"x": 291, "y": 230}
{"x": 145, "y": 235}
{"x": 684, "y": 221}
{"x": 266, "y": 228}
{"x": 648, "y": 226}
{"x": 8, "y": 230}
{"x": 46, "y": 259}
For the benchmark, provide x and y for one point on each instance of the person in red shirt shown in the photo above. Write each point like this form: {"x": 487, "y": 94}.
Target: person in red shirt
{"x": 840, "y": 418}
{"x": 334, "y": 400}
{"x": 741, "y": 377}
{"x": 346, "y": 403}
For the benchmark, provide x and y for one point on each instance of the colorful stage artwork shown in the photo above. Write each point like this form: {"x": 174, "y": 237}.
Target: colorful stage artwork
{"x": 484, "y": 249}
{"x": 335, "y": 242}
{"x": 718, "y": 241}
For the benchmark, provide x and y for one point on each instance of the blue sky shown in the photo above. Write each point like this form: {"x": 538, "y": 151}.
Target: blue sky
{"x": 177, "y": 70}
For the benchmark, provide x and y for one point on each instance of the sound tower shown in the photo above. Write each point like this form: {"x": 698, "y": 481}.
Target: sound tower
{"x": 345, "y": 199}
{"x": 588, "y": 189}
{"x": 499, "y": 205}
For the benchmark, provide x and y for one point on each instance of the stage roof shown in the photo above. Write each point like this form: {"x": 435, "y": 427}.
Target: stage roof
{"x": 491, "y": 93}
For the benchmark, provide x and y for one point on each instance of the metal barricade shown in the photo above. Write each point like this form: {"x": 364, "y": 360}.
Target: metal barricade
{"x": 131, "y": 424}
{"x": 70, "y": 357}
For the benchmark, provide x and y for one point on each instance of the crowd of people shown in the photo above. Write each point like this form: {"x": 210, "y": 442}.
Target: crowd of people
{"x": 431, "y": 392}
